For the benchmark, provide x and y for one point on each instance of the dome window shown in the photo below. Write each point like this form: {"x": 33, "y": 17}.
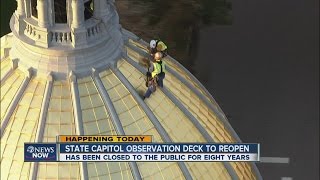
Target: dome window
{"x": 34, "y": 10}
{"x": 88, "y": 9}
{"x": 60, "y": 11}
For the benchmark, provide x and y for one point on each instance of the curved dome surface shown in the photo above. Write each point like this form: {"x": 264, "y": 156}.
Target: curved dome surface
{"x": 37, "y": 109}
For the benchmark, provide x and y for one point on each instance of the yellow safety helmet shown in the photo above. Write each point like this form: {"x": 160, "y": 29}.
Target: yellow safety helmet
{"x": 159, "y": 47}
{"x": 158, "y": 56}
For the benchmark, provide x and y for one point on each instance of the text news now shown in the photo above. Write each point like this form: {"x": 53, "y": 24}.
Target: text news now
{"x": 129, "y": 148}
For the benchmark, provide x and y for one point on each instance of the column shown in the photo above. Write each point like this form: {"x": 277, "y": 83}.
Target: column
{"x": 19, "y": 15}
{"x": 78, "y": 27}
{"x": 77, "y": 13}
{"x": 42, "y": 8}
{"x": 20, "y": 8}
{"x": 100, "y": 8}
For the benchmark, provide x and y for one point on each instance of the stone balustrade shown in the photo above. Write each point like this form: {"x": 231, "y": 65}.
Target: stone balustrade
{"x": 61, "y": 34}
{"x": 60, "y": 37}
{"x": 93, "y": 30}
{"x": 31, "y": 31}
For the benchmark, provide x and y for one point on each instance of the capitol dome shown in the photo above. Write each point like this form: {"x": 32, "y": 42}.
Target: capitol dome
{"x": 72, "y": 72}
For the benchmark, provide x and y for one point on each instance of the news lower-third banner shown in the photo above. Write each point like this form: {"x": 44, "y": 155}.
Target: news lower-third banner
{"x": 117, "y": 150}
{"x": 94, "y": 139}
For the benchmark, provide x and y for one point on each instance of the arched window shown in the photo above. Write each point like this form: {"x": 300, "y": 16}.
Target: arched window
{"x": 88, "y": 9}
{"x": 60, "y": 11}
{"x": 34, "y": 11}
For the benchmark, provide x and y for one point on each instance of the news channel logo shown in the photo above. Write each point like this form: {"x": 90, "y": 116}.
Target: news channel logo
{"x": 40, "y": 152}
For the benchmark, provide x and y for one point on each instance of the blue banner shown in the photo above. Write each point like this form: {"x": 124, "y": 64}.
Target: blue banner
{"x": 158, "y": 148}
{"x": 40, "y": 152}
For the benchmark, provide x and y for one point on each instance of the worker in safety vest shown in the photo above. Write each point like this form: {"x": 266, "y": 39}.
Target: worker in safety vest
{"x": 158, "y": 46}
{"x": 159, "y": 68}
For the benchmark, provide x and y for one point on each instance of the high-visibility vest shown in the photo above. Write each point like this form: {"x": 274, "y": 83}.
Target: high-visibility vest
{"x": 162, "y": 45}
{"x": 158, "y": 67}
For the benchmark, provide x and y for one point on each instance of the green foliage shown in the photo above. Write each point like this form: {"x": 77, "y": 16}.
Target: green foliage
{"x": 157, "y": 8}
{"x": 215, "y": 11}
{"x": 188, "y": 11}
{"x": 174, "y": 21}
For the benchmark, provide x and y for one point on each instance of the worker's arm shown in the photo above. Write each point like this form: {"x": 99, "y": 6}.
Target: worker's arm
{"x": 151, "y": 69}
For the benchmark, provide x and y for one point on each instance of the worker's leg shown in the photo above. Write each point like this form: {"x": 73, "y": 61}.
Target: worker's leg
{"x": 160, "y": 79}
{"x": 148, "y": 93}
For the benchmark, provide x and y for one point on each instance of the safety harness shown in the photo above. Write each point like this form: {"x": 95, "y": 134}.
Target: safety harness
{"x": 157, "y": 41}
{"x": 160, "y": 63}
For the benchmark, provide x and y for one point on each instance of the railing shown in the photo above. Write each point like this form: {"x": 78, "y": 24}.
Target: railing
{"x": 93, "y": 30}
{"x": 61, "y": 34}
{"x": 62, "y": 37}
{"x": 31, "y": 31}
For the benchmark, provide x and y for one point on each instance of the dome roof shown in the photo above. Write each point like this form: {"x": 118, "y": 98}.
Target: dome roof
{"x": 37, "y": 109}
